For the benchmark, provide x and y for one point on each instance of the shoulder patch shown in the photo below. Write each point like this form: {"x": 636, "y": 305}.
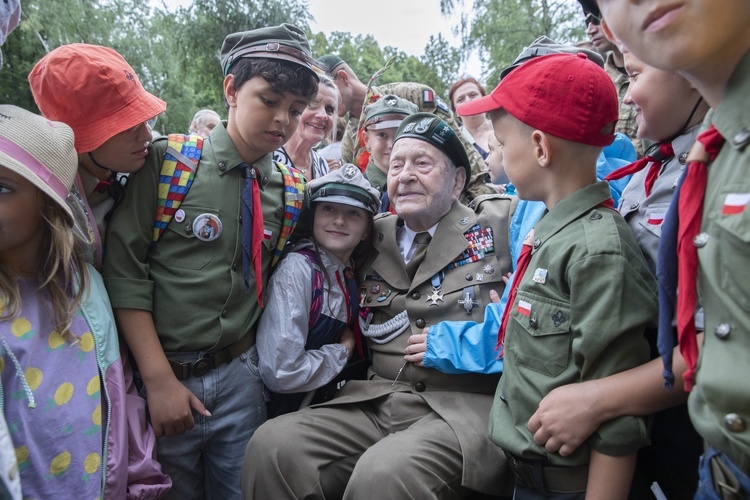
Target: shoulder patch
{"x": 441, "y": 105}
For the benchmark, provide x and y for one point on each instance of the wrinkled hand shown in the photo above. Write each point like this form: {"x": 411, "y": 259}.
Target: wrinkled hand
{"x": 566, "y": 417}
{"x": 416, "y": 348}
{"x": 170, "y": 404}
{"x": 347, "y": 340}
{"x": 333, "y": 163}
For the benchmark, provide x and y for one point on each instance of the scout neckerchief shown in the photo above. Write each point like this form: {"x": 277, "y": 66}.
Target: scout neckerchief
{"x": 175, "y": 178}
{"x": 655, "y": 156}
{"x": 689, "y": 213}
{"x": 252, "y": 230}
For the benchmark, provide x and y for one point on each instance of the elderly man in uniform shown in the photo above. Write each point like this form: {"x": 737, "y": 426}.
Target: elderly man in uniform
{"x": 353, "y": 96}
{"x": 407, "y": 431}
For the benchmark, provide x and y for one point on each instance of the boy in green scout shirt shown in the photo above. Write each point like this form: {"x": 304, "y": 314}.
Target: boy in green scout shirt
{"x": 187, "y": 306}
{"x": 582, "y": 293}
{"x": 382, "y": 119}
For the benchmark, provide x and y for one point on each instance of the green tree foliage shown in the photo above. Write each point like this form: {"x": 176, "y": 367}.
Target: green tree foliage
{"x": 176, "y": 52}
{"x": 500, "y": 29}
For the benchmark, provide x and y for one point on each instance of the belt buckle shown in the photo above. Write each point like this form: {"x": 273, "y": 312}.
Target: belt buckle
{"x": 200, "y": 367}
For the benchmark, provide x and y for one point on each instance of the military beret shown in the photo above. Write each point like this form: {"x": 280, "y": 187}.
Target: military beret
{"x": 388, "y": 112}
{"x": 543, "y": 46}
{"x": 431, "y": 129}
{"x": 331, "y": 62}
{"x": 286, "y": 42}
{"x": 345, "y": 185}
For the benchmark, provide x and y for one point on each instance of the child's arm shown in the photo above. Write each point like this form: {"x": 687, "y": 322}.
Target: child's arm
{"x": 169, "y": 402}
{"x": 609, "y": 476}
{"x": 568, "y": 415}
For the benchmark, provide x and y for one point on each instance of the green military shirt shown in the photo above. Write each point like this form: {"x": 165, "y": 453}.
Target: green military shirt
{"x": 719, "y": 403}
{"x": 194, "y": 288}
{"x": 626, "y": 123}
{"x": 427, "y": 101}
{"x": 580, "y": 313}
{"x": 378, "y": 179}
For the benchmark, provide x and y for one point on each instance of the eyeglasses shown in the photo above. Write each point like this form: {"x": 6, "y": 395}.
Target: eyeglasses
{"x": 592, "y": 19}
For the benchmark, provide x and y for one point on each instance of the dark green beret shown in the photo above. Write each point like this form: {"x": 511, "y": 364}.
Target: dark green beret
{"x": 543, "y": 46}
{"x": 431, "y": 129}
{"x": 286, "y": 42}
{"x": 331, "y": 62}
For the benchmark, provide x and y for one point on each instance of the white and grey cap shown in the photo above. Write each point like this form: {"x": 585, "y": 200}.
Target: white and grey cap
{"x": 347, "y": 186}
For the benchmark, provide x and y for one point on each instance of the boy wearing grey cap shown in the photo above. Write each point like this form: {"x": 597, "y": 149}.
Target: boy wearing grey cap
{"x": 381, "y": 122}
{"x": 187, "y": 306}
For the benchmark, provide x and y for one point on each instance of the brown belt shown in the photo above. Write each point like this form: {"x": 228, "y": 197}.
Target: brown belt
{"x": 556, "y": 479}
{"x": 184, "y": 370}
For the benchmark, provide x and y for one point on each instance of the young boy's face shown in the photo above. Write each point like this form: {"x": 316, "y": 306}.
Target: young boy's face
{"x": 380, "y": 145}
{"x": 662, "y": 99}
{"x": 261, "y": 119}
{"x": 494, "y": 161}
{"x": 686, "y": 36}
{"x": 519, "y": 161}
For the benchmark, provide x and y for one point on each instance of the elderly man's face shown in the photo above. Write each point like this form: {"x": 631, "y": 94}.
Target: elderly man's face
{"x": 422, "y": 183}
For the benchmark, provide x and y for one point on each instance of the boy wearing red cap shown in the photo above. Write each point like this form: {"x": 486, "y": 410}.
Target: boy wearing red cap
{"x": 95, "y": 91}
{"x": 582, "y": 294}
{"x": 188, "y": 304}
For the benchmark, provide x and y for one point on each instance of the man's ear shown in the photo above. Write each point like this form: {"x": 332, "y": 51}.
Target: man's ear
{"x": 460, "y": 181}
{"x": 230, "y": 92}
{"x": 344, "y": 76}
{"x": 366, "y": 140}
{"x": 542, "y": 148}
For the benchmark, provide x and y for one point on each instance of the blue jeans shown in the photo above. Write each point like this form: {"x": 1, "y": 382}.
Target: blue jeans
{"x": 205, "y": 462}
{"x": 706, "y": 489}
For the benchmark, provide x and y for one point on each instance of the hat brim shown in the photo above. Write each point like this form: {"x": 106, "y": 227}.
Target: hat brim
{"x": 477, "y": 106}
{"x": 343, "y": 200}
{"x": 22, "y": 170}
{"x": 142, "y": 108}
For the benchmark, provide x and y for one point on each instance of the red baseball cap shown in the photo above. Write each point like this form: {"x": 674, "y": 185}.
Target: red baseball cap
{"x": 93, "y": 90}
{"x": 565, "y": 95}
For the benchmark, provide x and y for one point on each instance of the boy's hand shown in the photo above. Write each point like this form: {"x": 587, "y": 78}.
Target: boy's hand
{"x": 347, "y": 340}
{"x": 170, "y": 405}
{"x": 566, "y": 417}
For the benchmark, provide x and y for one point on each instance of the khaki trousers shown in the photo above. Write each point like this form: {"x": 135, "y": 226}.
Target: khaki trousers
{"x": 392, "y": 447}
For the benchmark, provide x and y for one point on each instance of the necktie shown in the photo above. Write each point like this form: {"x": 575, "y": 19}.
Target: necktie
{"x": 523, "y": 262}
{"x": 688, "y": 214}
{"x": 421, "y": 240}
{"x": 655, "y": 156}
{"x": 252, "y": 230}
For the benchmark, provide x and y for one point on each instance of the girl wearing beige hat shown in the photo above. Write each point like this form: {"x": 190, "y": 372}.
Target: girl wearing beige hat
{"x": 62, "y": 372}
{"x": 98, "y": 94}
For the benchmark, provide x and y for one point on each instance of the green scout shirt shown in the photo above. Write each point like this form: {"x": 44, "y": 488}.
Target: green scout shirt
{"x": 428, "y": 101}
{"x": 591, "y": 297}
{"x": 194, "y": 288}
{"x": 378, "y": 179}
{"x": 719, "y": 403}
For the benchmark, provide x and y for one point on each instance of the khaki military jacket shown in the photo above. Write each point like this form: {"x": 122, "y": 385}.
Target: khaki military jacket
{"x": 398, "y": 306}
{"x": 719, "y": 403}
{"x": 429, "y": 102}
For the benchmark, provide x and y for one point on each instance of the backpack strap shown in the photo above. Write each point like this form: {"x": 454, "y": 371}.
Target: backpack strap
{"x": 294, "y": 197}
{"x": 175, "y": 178}
{"x": 317, "y": 285}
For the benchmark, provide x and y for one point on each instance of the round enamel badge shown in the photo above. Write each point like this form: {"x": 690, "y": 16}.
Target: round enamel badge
{"x": 207, "y": 227}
